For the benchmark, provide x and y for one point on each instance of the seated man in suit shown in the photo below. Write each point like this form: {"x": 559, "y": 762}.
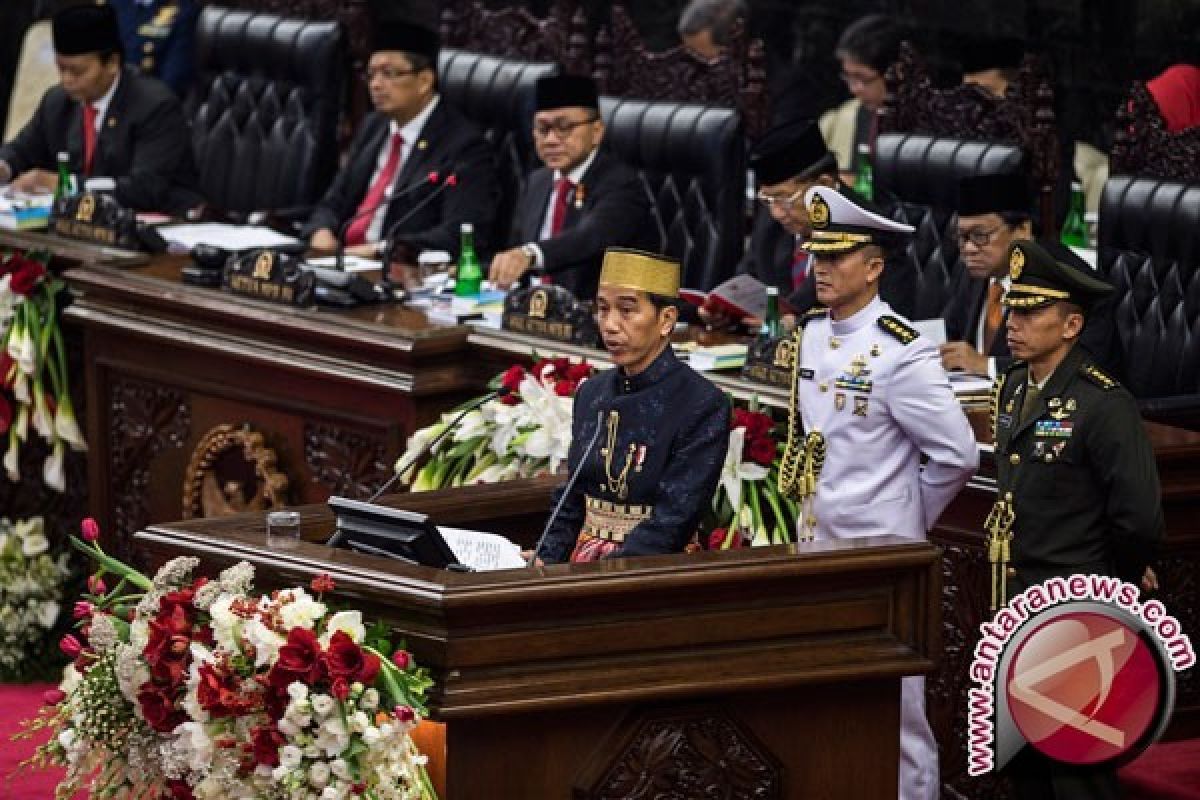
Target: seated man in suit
{"x": 582, "y": 201}
{"x": 110, "y": 122}
{"x": 385, "y": 194}
{"x": 993, "y": 212}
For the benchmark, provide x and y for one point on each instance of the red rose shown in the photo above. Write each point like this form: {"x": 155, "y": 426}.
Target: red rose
{"x": 564, "y": 388}
{"x": 221, "y": 694}
{"x": 542, "y": 369}
{"x": 159, "y": 709}
{"x": 179, "y": 790}
{"x": 322, "y": 583}
{"x": 404, "y": 713}
{"x": 299, "y": 660}
{"x": 717, "y": 538}
{"x": 53, "y": 697}
{"x": 512, "y": 377}
{"x": 761, "y": 451}
{"x": 167, "y": 649}
{"x": 345, "y": 659}
{"x": 89, "y": 529}
{"x": 267, "y": 741}
{"x": 401, "y": 659}
{"x": 6, "y": 413}
{"x": 579, "y": 372}
{"x": 25, "y": 278}
{"x": 339, "y": 687}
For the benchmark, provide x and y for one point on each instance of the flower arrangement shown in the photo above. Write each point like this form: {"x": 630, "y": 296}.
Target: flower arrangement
{"x": 184, "y": 688}
{"x": 748, "y": 507}
{"x": 523, "y": 433}
{"x": 34, "y": 387}
{"x": 31, "y": 590}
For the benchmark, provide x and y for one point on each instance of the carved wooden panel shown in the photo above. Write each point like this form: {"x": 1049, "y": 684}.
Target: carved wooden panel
{"x": 146, "y": 419}
{"x": 349, "y": 463}
{"x": 561, "y": 37}
{"x": 625, "y": 67}
{"x": 232, "y": 471}
{"x": 1025, "y": 116}
{"x": 1143, "y": 146}
{"x": 674, "y": 754}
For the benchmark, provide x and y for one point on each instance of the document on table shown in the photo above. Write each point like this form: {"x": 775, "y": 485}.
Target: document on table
{"x": 482, "y": 551}
{"x": 349, "y": 263}
{"x": 225, "y": 236}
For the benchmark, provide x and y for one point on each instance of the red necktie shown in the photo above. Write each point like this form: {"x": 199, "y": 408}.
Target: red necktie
{"x": 800, "y": 259}
{"x": 89, "y": 137}
{"x": 561, "y": 189}
{"x": 357, "y": 232}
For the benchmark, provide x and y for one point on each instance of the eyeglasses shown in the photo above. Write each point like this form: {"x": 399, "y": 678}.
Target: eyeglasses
{"x": 857, "y": 79}
{"x": 977, "y": 237}
{"x": 784, "y": 203}
{"x": 562, "y": 127}
{"x": 387, "y": 73}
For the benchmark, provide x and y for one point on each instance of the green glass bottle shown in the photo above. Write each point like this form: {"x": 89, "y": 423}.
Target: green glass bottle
{"x": 771, "y": 326}
{"x": 469, "y": 279}
{"x": 1074, "y": 230}
{"x": 864, "y": 180}
{"x": 66, "y": 184}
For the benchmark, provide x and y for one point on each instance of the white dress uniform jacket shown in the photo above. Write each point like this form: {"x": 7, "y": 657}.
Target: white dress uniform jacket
{"x": 879, "y": 395}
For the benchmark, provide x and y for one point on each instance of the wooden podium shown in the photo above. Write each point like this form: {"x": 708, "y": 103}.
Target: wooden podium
{"x": 766, "y": 674}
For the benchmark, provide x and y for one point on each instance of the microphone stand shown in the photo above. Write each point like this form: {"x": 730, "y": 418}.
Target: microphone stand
{"x": 390, "y": 246}
{"x": 570, "y": 483}
{"x": 388, "y": 196}
{"x": 424, "y": 451}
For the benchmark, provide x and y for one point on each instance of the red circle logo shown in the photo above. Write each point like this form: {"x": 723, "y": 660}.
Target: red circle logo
{"x": 1083, "y": 688}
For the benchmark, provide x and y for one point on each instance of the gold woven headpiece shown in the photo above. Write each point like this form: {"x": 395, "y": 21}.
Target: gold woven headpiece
{"x": 646, "y": 272}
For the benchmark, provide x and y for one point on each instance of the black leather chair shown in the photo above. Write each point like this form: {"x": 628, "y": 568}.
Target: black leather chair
{"x": 916, "y": 182}
{"x": 1149, "y": 248}
{"x": 693, "y": 163}
{"x": 497, "y": 94}
{"x": 264, "y": 108}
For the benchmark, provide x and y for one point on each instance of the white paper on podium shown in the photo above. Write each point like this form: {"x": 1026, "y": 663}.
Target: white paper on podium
{"x": 482, "y": 551}
{"x": 220, "y": 234}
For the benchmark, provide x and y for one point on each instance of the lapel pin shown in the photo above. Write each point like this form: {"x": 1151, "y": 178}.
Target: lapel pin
{"x": 876, "y": 350}
{"x": 860, "y": 406}
{"x": 422, "y": 144}
{"x": 839, "y": 401}
{"x": 579, "y": 197}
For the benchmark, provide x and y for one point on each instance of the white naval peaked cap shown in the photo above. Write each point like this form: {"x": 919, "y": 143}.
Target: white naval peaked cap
{"x": 839, "y": 225}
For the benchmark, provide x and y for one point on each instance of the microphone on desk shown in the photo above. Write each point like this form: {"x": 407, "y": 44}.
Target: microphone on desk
{"x": 428, "y": 448}
{"x": 448, "y": 182}
{"x": 390, "y": 194}
{"x": 570, "y": 483}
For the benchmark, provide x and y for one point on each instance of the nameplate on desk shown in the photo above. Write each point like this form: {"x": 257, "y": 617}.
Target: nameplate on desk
{"x": 271, "y": 275}
{"x": 550, "y": 312}
{"x": 95, "y": 217}
{"x": 770, "y": 361}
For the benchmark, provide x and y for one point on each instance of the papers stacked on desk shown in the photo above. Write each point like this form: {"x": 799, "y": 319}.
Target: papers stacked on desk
{"x": 182, "y": 238}
{"x": 482, "y": 551}
{"x": 25, "y": 212}
{"x": 721, "y": 356}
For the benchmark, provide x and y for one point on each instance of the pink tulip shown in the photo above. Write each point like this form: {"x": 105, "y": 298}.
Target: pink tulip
{"x": 83, "y": 609}
{"x": 401, "y": 659}
{"x": 96, "y": 585}
{"x": 53, "y": 697}
{"x": 70, "y": 646}
{"x": 90, "y": 529}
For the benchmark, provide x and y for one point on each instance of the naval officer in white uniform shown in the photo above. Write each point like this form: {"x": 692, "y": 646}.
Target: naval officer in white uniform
{"x": 873, "y": 398}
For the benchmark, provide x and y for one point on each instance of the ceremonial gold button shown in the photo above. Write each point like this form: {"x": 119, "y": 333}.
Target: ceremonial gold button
{"x": 834, "y": 344}
{"x": 1011, "y": 572}
{"x": 1015, "y": 458}
{"x": 147, "y": 63}
{"x": 148, "y": 47}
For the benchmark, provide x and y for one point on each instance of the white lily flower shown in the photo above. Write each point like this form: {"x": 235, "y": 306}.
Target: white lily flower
{"x": 22, "y": 349}
{"x": 43, "y": 422}
{"x": 349, "y": 622}
{"x": 735, "y": 470}
{"x": 12, "y": 463}
{"x": 21, "y": 387}
{"x": 21, "y": 426}
{"x": 53, "y": 471}
{"x": 472, "y": 424}
{"x": 417, "y": 443}
{"x": 67, "y": 426}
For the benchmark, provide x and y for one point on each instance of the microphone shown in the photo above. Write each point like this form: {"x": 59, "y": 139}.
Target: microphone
{"x": 403, "y": 468}
{"x": 450, "y": 181}
{"x": 570, "y": 483}
{"x": 390, "y": 194}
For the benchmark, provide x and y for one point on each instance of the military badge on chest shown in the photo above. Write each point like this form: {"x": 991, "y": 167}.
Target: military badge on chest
{"x": 855, "y": 378}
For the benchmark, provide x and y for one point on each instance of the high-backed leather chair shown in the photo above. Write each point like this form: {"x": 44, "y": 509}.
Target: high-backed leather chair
{"x": 916, "y": 182}
{"x": 35, "y": 74}
{"x": 264, "y": 108}
{"x": 1149, "y": 248}
{"x": 692, "y": 161}
{"x": 497, "y": 94}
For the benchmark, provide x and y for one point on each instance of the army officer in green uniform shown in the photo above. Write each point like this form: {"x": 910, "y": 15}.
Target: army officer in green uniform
{"x": 1077, "y": 488}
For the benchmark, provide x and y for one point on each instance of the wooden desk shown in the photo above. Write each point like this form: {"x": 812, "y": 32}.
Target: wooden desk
{"x": 772, "y": 673}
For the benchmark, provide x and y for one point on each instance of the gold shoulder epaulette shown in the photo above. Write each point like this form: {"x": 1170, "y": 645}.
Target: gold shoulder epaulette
{"x": 1099, "y": 377}
{"x": 811, "y": 314}
{"x": 898, "y": 329}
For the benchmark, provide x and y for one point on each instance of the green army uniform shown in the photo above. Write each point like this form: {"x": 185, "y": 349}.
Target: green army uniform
{"x": 1077, "y": 486}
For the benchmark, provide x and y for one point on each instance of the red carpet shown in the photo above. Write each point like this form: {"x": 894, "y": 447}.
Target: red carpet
{"x": 18, "y": 703}
{"x": 1167, "y": 771}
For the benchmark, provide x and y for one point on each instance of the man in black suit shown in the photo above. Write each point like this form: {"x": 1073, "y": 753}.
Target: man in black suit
{"x": 582, "y": 201}
{"x": 386, "y": 191}
{"x": 993, "y": 212}
{"x": 110, "y": 121}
